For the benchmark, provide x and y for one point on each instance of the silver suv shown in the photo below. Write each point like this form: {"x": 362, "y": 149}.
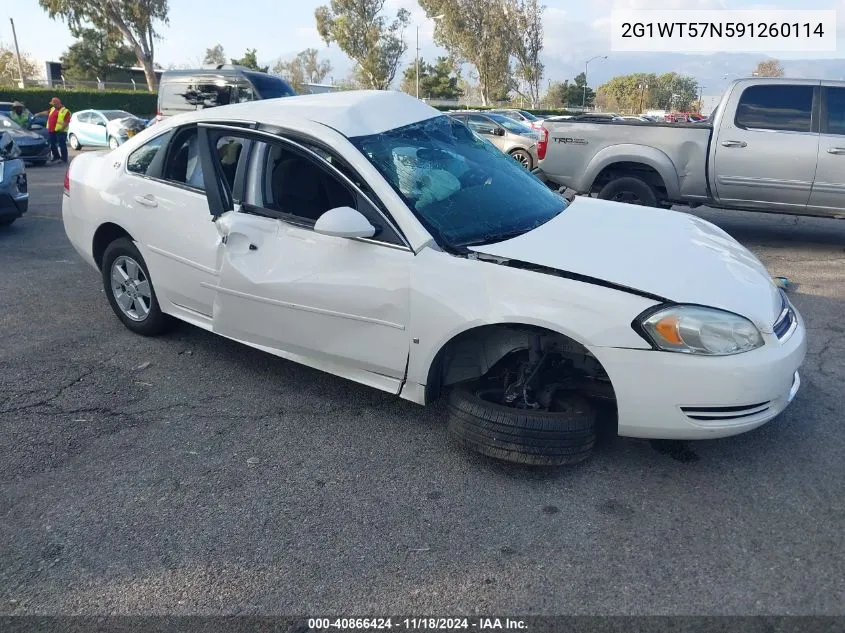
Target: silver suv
{"x": 513, "y": 138}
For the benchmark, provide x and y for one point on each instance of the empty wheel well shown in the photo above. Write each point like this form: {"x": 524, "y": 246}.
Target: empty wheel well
{"x": 105, "y": 235}
{"x": 474, "y": 353}
{"x": 638, "y": 170}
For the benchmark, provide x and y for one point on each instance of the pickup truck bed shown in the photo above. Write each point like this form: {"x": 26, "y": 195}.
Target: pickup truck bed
{"x": 671, "y": 157}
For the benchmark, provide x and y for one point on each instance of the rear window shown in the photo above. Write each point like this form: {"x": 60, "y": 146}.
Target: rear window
{"x": 269, "y": 87}
{"x": 175, "y": 97}
{"x": 115, "y": 114}
{"x": 776, "y": 107}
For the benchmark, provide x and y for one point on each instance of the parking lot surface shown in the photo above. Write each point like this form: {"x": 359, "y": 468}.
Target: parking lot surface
{"x": 190, "y": 474}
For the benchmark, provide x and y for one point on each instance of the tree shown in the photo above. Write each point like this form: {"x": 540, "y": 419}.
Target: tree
{"x": 9, "y": 74}
{"x": 641, "y": 91}
{"x": 438, "y": 81}
{"x": 214, "y": 56}
{"x": 478, "y": 32}
{"x": 96, "y": 55}
{"x": 305, "y": 68}
{"x": 580, "y": 93}
{"x": 135, "y": 21}
{"x": 769, "y": 68}
{"x": 527, "y": 46}
{"x": 250, "y": 60}
{"x": 361, "y": 31}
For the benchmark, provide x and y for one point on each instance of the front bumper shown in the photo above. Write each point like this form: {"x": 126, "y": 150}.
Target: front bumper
{"x": 665, "y": 395}
{"x": 14, "y": 190}
{"x": 35, "y": 153}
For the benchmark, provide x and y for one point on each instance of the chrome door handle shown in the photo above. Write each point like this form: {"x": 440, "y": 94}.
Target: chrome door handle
{"x": 734, "y": 144}
{"x": 147, "y": 201}
{"x": 836, "y": 150}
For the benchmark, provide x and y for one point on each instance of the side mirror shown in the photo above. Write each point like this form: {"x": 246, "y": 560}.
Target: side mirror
{"x": 499, "y": 131}
{"x": 344, "y": 222}
{"x": 101, "y": 123}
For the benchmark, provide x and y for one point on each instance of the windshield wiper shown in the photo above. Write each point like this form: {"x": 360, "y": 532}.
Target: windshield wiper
{"x": 498, "y": 237}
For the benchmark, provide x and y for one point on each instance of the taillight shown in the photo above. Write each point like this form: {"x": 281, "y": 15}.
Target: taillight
{"x": 67, "y": 181}
{"x": 543, "y": 143}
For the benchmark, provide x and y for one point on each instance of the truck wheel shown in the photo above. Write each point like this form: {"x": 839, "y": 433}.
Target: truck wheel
{"x": 565, "y": 435}
{"x": 631, "y": 190}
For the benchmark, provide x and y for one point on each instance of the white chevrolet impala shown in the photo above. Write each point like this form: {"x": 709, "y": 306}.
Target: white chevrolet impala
{"x": 370, "y": 236}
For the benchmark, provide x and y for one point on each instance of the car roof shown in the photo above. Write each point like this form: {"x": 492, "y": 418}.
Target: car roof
{"x": 352, "y": 113}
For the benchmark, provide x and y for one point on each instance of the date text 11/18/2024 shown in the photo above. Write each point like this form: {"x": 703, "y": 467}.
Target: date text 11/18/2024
{"x": 416, "y": 624}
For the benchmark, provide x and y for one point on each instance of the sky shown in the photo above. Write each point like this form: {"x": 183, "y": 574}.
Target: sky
{"x": 574, "y": 31}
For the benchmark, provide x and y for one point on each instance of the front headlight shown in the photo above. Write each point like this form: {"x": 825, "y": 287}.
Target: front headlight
{"x": 700, "y": 330}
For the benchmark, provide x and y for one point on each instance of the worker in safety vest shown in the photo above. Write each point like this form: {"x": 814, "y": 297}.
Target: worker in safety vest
{"x": 19, "y": 115}
{"x": 58, "y": 119}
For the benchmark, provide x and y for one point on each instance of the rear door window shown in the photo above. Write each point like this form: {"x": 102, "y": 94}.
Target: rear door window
{"x": 834, "y": 119}
{"x": 182, "y": 164}
{"x": 141, "y": 160}
{"x": 776, "y": 107}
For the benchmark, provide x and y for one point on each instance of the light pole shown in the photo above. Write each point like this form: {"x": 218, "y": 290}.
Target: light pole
{"x": 586, "y": 64}
{"x": 643, "y": 88}
{"x": 436, "y": 17}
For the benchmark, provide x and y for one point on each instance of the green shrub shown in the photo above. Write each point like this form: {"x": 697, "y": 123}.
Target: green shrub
{"x": 141, "y": 102}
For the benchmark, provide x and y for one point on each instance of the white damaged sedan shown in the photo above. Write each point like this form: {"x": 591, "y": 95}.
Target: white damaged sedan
{"x": 370, "y": 236}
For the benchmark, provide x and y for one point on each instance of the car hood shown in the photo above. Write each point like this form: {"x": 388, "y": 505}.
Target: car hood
{"x": 126, "y": 123}
{"x": 25, "y": 137}
{"x": 669, "y": 254}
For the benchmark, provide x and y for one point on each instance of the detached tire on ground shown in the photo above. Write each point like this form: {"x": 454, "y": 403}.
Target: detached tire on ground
{"x": 522, "y": 436}
{"x": 631, "y": 190}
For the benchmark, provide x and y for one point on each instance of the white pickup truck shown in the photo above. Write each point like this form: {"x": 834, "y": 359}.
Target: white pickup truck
{"x": 771, "y": 145}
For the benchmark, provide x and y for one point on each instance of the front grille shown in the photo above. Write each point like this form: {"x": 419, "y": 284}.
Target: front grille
{"x": 32, "y": 150}
{"x": 783, "y": 327}
{"x": 724, "y": 414}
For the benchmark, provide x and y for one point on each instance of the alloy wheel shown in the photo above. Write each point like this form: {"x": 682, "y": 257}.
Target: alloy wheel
{"x": 131, "y": 288}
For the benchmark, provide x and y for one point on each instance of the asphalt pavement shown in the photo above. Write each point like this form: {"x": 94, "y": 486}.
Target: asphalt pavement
{"x": 191, "y": 475}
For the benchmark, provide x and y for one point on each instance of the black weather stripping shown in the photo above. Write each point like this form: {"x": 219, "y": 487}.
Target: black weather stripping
{"x": 546, "y": 270}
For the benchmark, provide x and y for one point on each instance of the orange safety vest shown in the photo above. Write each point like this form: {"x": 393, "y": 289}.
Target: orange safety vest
{"x": 62, "y": 119}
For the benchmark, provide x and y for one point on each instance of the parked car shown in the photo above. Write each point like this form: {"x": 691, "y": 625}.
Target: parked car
{"x": 14, "y": 194}
{"x": 522, "y": 116}
{"x": 102, "y": 128}
{"x": 189, "y": 90}
{"x": 34, "y": 148}
{"x": 370, "y": 236}
{"x": 514, "y": 139}
{"x": 37, "y": 122}
{"x": 739, "y": 160}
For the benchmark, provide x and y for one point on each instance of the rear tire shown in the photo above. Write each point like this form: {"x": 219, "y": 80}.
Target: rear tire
{"x": 522, "y": 436}
{"x": 73, "y": 142}
{"x": 630, "y": 190}
{"x": 523, "y": 158}
{"x": 130, "y": 292}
